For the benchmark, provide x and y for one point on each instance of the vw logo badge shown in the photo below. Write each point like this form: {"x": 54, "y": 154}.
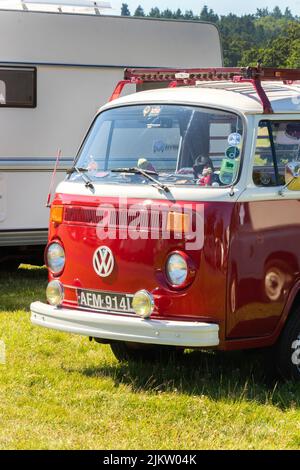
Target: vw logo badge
{"x": 103, "y": 261}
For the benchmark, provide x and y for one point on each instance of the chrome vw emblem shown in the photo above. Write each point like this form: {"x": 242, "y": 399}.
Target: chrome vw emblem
{"x": 103, "y": 261}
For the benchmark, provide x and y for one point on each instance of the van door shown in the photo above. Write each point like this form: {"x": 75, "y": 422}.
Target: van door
{"x": 265, "y": 250}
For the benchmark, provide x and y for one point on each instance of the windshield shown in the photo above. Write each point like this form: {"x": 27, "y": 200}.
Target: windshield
{"x": 180, "y": 145}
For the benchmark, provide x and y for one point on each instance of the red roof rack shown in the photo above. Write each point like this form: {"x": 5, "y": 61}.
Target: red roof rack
{"x": 181, "y": 77}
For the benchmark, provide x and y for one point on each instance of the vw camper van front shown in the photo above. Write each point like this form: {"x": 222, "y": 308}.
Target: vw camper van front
{"x": 176, "y": 229}
{"x": 134, "y": 232}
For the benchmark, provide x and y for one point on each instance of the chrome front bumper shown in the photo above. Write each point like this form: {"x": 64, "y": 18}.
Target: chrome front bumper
{"x": 122, "y": 328}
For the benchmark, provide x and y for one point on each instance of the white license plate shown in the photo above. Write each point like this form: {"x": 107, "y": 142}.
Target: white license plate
{"x": 105, "y": 301}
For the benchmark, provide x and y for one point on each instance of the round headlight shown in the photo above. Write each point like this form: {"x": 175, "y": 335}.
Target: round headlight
{"x": 177, "y": 269}
{"x": 55, "y": 293}
{"x": 55, "y": 258}
{"x": 143, "y": 303}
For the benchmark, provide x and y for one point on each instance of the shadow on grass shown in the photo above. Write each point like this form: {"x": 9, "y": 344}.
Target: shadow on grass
{"x": 19, "y": 288}
{"x": 234, "y": 376}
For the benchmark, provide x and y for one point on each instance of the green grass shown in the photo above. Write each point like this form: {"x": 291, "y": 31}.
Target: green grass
{"x": 60, "y": 391}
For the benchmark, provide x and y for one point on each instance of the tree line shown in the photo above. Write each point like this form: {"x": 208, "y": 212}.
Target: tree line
{"x": 270, "y": 35}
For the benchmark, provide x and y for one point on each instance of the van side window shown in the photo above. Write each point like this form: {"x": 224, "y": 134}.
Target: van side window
{"x": 17, "y": 87}
{"x": 278, "y": 143}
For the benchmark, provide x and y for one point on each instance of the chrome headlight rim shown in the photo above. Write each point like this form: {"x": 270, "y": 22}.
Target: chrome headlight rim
{"x": 190, "y": 270}
{"x": 60, "y": 295}
{"x": 149, "y": 297}
{"x": 54, "y": 273}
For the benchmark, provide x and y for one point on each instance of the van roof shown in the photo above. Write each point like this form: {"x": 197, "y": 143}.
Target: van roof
{"x": 237, "y": 97}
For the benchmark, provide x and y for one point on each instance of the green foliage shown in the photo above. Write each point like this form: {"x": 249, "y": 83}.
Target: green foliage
{"x": 288, "y": 14}
{"x": 293, "y": 61}
{"x": 277, "y": 13}
{"x": 270, "y": 35}
{"x": 155, "y": 13}
{"x": 280, "y": 51}
{"x": 125, "y": 10}
{"x": 178, "y": 14}
{"x": 189, "y": 15}
{"x": 167, "y": 14}
{"x": 208, "y": 15}
{"x": 139, "y": 11}
{"x": 262, "y": 12}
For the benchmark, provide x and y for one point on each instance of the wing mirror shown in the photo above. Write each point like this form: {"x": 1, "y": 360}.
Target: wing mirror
{"x": 292, "y": 177}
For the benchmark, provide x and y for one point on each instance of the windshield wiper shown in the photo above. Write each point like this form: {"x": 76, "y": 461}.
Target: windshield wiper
{"x": 147, "y": 173}
{"x": 86, "y": 179}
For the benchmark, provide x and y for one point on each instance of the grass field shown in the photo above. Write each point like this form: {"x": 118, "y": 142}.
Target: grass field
{"x": 59, "y": 391}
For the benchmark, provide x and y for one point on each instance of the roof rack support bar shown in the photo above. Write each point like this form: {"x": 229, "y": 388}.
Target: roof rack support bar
{"x": 267, "y": 107}
{"x": 120, "y": 86}
{"x": 256, "y": 82}
{"x": 118, "y": 90}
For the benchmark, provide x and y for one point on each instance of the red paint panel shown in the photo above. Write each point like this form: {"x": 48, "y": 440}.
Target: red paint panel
{"x": 247, "y": 267}
{"x": 264, "y": 265}
{"x": 140, "y": 263}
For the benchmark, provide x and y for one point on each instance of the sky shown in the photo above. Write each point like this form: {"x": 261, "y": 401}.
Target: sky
{"x": 220, "y": 6}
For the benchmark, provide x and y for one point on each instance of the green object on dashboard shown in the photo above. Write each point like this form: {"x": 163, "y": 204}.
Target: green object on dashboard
{"x": 228, "y": 171}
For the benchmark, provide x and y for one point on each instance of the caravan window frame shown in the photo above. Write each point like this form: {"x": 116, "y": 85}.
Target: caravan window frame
{"x": 29, "y": 104}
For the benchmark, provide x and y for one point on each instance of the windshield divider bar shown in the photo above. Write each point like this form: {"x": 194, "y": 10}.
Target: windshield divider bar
{"x": 273, "y": 149}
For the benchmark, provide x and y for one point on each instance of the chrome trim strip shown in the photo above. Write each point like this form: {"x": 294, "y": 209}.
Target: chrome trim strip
{"x": 34, "y": 163}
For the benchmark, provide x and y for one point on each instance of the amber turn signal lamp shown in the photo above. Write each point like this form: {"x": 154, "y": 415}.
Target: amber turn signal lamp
{"x": 178, "y": 223}
{"x": 56, "y": 214}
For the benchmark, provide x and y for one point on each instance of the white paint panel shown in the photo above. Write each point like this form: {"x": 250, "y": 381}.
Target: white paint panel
{"x": 148, "y": 192}
{"x": 3, "y": 199}
{"x": 26, "y": 208}
{"x": 67, "y": 100}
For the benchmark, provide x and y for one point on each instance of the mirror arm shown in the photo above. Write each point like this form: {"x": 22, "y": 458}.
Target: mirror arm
{"x": 281, "y": 190}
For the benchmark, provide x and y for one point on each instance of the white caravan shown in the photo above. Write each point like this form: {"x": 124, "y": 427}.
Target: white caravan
{"x": 56, "y": 70}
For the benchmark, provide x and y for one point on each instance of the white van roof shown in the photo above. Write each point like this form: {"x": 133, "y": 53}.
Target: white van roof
{"x": 237, "y": 97}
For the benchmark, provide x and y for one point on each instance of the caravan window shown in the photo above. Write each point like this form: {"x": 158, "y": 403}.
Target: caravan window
{"x": 18, "y": 87}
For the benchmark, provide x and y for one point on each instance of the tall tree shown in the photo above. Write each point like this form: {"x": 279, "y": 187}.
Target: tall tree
{"x": 155, "y": 12}
{"x": 288, "y": 14}
{"x": 139, "y": 11}
{"x": 189, "y": 15}
{"x": 277, "y": 13}
{"x": 167, "y": 13}
{"x": 208, "y": 15}
{"x": 178, "y": 14}
{"x": 262, "y": 12}
{"x": 125, "y": 10}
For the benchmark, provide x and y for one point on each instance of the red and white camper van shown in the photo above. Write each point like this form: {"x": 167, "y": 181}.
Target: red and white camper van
{"x": 178, "y": 226}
